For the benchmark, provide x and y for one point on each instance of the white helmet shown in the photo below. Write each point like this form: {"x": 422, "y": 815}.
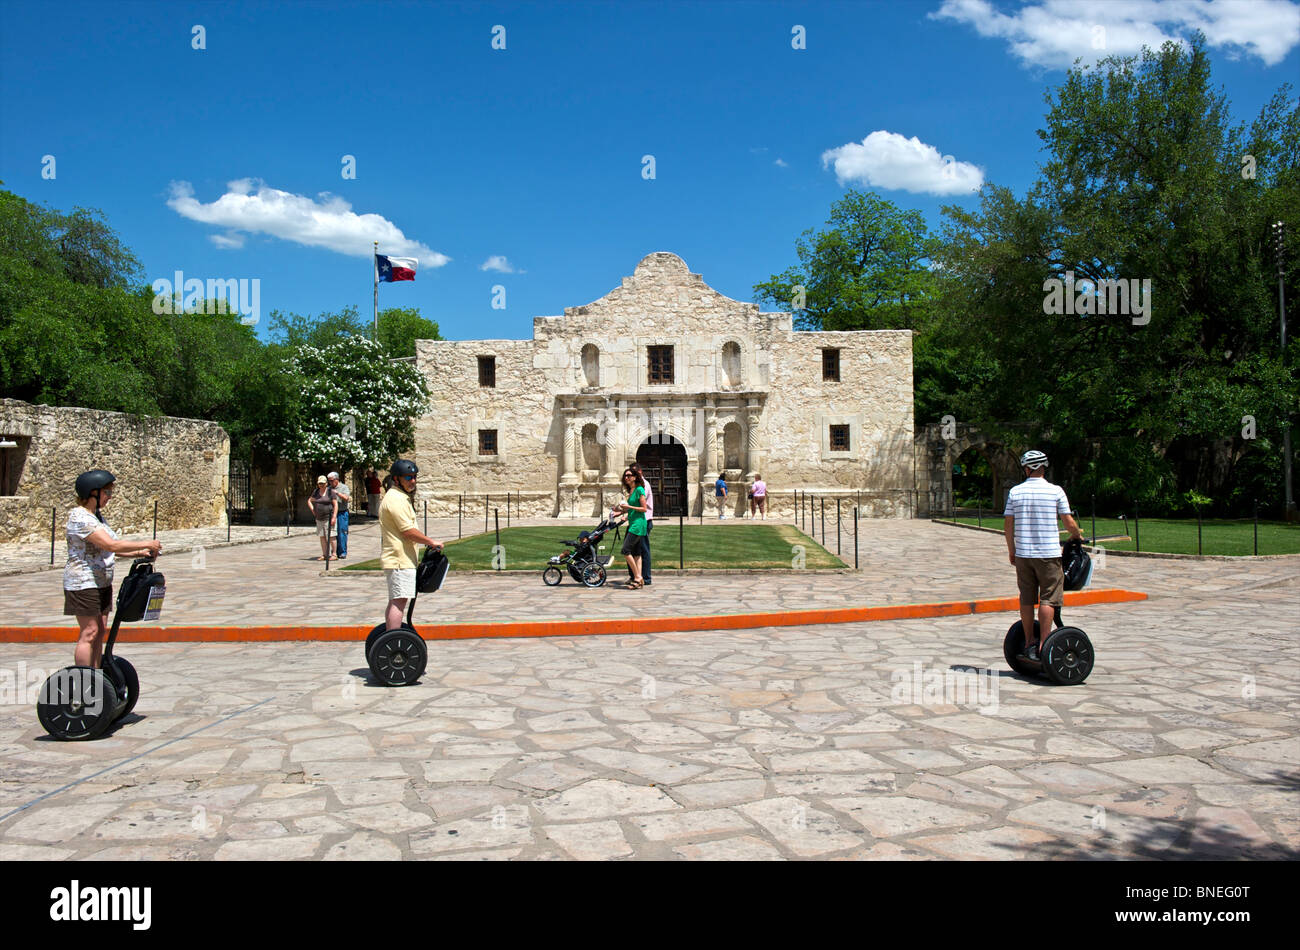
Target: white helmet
{"x": 1033, "y": 459}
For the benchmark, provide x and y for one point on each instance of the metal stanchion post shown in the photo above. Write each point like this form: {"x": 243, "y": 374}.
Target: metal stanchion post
{"x": 838, "y": 547}
{"x": 1198, "y": 530}
{"x": 460, "y": 507}
{"x": 681, "y": 537}
{"x": 1256, "y": 533}
{"x": 155, "y": 519}
{"x": 426, "y": 516}
{"x": 1137, "y": 537}
{"x": 855, "y": 537}
{"x": 496, "y": 521}
{"x": 54, "y": 516}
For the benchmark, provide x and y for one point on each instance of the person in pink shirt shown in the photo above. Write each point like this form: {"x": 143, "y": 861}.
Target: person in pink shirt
{"x": 758, "y": 497}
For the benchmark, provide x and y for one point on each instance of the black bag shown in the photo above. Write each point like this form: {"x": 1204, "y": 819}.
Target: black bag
{"x": 1077, "y": 565}
{"x": 134, "y": 594}
{"x": 431, "y": 571}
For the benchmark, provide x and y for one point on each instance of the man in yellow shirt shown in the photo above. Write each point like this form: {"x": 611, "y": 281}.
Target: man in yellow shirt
{"x": 399, "y": 536}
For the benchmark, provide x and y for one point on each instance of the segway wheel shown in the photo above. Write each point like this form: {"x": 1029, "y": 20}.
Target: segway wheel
{"x": 77, "y": 703}
{"x": 125, "y": 681}
{"x": 552, "y": 576}
{"x": 1013, "y": 649}
{"x": 593, "y": 575}
{"x": 1067, "y": 656}
{"x": 374, "y": 635}
{"x": 398, "y": 657}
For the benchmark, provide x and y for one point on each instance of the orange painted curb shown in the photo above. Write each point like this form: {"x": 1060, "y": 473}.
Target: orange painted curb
{"x": 572, "y": 628}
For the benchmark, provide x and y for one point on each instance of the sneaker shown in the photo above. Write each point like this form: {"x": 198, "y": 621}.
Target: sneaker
{"x": 1031, "y": 651}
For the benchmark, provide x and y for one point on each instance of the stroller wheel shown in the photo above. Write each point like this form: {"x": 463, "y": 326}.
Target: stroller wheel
{"x": 593, "y": 575}
{"x": 552, "y": 576}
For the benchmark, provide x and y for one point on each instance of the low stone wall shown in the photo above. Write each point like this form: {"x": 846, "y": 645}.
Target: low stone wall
{"x": 182, "y": 464}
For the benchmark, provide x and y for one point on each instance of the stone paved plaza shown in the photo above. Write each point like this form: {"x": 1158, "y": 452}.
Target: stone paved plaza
{"x": 895, "y": 740}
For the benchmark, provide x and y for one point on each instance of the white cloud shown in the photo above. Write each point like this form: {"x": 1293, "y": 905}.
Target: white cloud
{"x": 888, "y": 160}
{"x": 253, "y": 207}
{"x": 229, "y": 241}
{"x": 497, "y": 262}
{"x": 781, "y": 163}
{"x": 1053, "y": 33}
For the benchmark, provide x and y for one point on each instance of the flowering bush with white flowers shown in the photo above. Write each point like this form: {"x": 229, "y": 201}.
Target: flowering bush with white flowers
{"x": 358, "y": 407}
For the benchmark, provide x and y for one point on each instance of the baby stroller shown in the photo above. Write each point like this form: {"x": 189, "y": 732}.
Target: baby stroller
{"x": 583, "y": 563}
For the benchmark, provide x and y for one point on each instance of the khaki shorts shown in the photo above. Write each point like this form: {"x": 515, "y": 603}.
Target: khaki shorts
{"x": 401, "y": 584}
{"x": 1041, "y": 580}
{"x": 88, "y": 602}
{"x": 323, "y": 528}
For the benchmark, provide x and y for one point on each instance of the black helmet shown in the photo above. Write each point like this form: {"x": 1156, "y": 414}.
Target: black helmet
{"x": 404, "y": 467}
{"x": 90, "y": 482}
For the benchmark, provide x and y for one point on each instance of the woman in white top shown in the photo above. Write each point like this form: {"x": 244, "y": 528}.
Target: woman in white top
{"x": 88, "y": 575}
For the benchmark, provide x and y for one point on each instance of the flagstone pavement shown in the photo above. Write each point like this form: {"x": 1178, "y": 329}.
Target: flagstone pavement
{"x": 893, "y": 740}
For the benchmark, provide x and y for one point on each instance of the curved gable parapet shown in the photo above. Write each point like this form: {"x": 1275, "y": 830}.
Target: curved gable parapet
{"x": 663, "y": 283}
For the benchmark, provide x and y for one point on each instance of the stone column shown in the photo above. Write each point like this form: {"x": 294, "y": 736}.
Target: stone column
{"x": 752, "y": 459}
{"x": 710, "y": 455}
{"x": 610, "y": 444}
{"x": 569, "y": 471}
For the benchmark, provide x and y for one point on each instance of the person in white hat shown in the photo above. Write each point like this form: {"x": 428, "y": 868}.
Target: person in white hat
{"x": 324, "y": 508}
{"x": 341, "y": 529}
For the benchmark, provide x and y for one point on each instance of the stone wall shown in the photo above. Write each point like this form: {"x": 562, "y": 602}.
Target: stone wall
{"x": 180, "y": 463}
{"x": 742, "y": 378}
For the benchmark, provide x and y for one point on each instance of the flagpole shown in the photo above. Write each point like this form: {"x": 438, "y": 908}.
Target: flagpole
{"x": 375, "y": 261}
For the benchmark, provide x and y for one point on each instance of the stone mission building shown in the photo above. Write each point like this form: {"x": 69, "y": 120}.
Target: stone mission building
{"x": 666, "y": 371}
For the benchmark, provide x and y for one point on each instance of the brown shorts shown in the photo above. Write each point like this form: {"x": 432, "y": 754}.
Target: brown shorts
{"x": 88, "y": 602}
{"x": 1041, "y": 580}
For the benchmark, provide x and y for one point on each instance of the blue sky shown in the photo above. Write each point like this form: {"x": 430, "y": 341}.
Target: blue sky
{"x": 534, "y": 153}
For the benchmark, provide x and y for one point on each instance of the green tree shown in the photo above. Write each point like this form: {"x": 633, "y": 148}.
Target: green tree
{"x": 1144, "y": 180}
{"x": 867, "y": 270}
{"x": 357, "y": 407}
{"x": 400, "y": 327}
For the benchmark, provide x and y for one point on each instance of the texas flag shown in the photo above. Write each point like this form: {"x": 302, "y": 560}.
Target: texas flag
{"x": 390, "y": 269}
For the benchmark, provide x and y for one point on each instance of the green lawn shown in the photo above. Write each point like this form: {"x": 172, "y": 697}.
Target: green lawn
{"x": 1178, "y": 535}
{"x": 758, "y": 547}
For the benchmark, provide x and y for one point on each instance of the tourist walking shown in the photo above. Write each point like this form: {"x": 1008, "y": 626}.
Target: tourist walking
{"x": 324, "y": 508}
{"x": 649, "y": 522}
{"x": 344, "y": 496}
{"x": 88, "y": 573}
{"x": 720, "y": 493}
{"x": 758, "y": 497}
{"x": 1034, "y": 546}
{"x": 374, "y": 492}
{"x": 635, "y": 507}
{"x": 398, "y": 538}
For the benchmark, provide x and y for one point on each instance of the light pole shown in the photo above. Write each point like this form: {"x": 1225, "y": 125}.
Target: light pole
{"x": 1290, "y": 509}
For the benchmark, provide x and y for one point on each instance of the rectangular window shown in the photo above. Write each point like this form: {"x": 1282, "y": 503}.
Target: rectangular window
{"x": 839, "y": 438}
{"x": 487, "y": 441}
{"x": 831, "y": 366}
{"x": 487, "y": 371}
{"x": 660, "y": 363}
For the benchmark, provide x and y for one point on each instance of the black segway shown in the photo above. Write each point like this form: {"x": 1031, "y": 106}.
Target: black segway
{"x": 1066, "y": 656}
{"x": 81, "y": 702}
{"x": 397, "y": 657}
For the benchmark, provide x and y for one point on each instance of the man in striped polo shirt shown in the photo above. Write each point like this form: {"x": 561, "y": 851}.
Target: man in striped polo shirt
{"x": 1034, "y": 545}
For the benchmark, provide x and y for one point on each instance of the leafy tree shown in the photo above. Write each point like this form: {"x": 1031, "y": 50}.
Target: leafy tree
{"x": 400, "y": 327}
{"x": 1143, "y": 181}
{"x": 868, "y": 270}
{"x": 356, "y": 406}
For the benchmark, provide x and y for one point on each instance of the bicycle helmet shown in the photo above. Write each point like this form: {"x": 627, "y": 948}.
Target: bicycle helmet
{"x": 89, "y": 484}
{"x": 403, "y": 467}
{"x": 1033, "y": 459}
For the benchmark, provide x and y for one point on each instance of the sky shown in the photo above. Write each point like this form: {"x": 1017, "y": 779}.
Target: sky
{"x": 218, "y": 138}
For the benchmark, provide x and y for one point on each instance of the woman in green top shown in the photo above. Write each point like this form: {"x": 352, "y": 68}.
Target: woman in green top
{"x": 635, "y": 507}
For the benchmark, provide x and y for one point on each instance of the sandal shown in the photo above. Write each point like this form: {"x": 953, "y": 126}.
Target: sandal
{"x": 635, "y": 585}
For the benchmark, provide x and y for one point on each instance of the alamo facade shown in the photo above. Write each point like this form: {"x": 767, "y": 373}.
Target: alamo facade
{"x": 666, "y": 371}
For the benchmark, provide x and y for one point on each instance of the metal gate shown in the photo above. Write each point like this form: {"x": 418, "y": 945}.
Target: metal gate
{"x": 241, "y": 493}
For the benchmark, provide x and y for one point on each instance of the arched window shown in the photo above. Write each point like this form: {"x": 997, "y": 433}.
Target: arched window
{"x": 731, "y": 363}
{"x": 591, "y": 364}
